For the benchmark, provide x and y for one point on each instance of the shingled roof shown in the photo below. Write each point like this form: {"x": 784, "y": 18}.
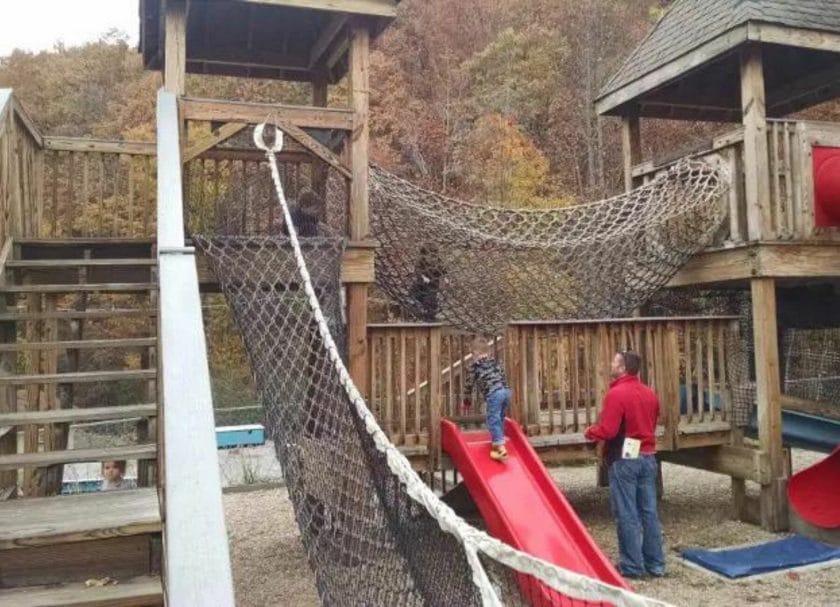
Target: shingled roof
{"x": 689, "y": 24}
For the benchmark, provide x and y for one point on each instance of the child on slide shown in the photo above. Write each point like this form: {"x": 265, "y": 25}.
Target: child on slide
{"x": 486, "y": 374}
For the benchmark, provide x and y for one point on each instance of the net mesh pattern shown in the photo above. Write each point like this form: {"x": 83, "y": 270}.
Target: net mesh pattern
{"x": 479, "y": 267}
{"x": 374, "y": 533}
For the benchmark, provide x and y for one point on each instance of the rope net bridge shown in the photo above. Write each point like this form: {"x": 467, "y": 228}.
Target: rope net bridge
{"x": 374, "y": 532}
{"x": 479, "y": 267}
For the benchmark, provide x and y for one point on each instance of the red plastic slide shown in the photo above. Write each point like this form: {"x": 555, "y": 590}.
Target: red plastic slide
{"x": 523, "y": 507}
{"x": 815, "y": 492}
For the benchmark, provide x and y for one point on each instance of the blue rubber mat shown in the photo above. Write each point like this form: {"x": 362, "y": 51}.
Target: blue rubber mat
{"x": 765, "y": 558}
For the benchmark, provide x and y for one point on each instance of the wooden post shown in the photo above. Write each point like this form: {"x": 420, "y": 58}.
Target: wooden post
{"x": 435, "y": 336}
{"x": 631, "y": 147}
{"x": 768, "y": 396}
{"x": 8, "y": 394}
{"x": 756, "y": 169}
{"x": 175, "y": 53}
{"x": 357, "y": 294}
{"x": 320, "y": 169}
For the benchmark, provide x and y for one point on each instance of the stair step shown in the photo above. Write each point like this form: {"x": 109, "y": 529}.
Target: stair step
{"x": 144, "y": 591}
{"x": 116, "y": 287}
{"x": 82, "y": 377}
{"x": 84, "y": 344}
{"x": 16, "y": 461}
{"x": 47, "y": 521}
{"x": 81, "y": 241}
{"x": 78, "y": 416}
{"x": 77, "y": 315}
{"x": 38, "y": 264}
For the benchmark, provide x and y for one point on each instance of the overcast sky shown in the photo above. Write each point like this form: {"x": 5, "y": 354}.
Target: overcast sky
{"x": 36, "y": 25}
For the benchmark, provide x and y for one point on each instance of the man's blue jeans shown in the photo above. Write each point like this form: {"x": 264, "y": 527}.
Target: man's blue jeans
{"x": 497, "y": 403}
{"x": 633, "y": 501}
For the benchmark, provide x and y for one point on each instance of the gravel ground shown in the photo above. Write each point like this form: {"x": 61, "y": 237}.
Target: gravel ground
{"x": 270, "y": 567}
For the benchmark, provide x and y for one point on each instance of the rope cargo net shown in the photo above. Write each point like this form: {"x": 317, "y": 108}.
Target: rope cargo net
{"x": 479, "y": 267}
{"x": 374, "y": 532}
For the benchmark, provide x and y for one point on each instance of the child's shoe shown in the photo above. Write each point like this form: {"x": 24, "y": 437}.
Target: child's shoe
{"x": 498, "y": 453}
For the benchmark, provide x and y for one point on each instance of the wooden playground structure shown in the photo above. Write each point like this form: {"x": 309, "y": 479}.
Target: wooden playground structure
{"x": 106, "y": 219}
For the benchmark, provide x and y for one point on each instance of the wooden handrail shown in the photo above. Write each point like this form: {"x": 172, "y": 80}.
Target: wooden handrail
{"x": 192, "y": 494}
{"x": 78, "y": 144}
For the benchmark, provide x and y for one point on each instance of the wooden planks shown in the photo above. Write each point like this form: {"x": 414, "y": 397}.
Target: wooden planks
{"x": 83, "y": 377}
{"x": 90, "y": 414}
{"x": 78, "y": 518}
{"x": 76, "y": 456}
{"x": 116, "y": 287}
{"x": 144, "y": 591}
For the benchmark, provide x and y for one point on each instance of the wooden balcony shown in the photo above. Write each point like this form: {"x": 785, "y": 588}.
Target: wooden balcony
{"x": 778, "y": 239}
{"x": 559, "y": 373}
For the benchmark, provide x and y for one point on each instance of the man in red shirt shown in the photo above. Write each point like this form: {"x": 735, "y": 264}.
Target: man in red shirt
{"x": 628, "y": 426}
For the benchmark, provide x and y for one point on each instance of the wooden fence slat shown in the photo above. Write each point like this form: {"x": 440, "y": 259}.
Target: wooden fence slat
{"x": 403, "y": 387}
{"x": 418, "y": 342}
{"x": 389, "y": 384}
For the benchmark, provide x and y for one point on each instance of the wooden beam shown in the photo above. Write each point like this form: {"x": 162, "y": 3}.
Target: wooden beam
{"x": 255, "y": 113}
{"x": 5, "y": 108}
{"x": 377, "y": 8}
{"x": 27, "y": 122}
{"x": 760, "y": 260}
{"x": 357, "y": 266}
{"x": 820, "y": 40}
{"x": 78, "y": 144}
{"x": 809, "y": 407}
{"x": 359, "y": 222}
{"x": 214, "y": 138}
{"x": 327, "y": 37}
{"x": 248, "y": 59}
{"x": 175, "y": 55}
{"x": 738, "y": 462}
{"x": 756, "y": 164}
{"x": 314, "y": 146}
{"x": 768, "y": 396}
{"x": 631, "y": 147}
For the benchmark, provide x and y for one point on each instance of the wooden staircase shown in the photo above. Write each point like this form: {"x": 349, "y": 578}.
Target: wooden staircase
{"x": 78, "y": 354}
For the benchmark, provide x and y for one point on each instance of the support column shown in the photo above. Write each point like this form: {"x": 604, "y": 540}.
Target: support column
{"x": 756, "y": 169}
{"x": 320, "y": 169}
{"x": 773, "y": 499}
{"x": 175, "y": 53}
{"x": 358, "y": 219}
{"x": 631, "y": 146}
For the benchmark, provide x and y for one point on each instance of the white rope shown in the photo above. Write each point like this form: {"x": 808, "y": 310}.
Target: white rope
{"x": 474, "y": 541}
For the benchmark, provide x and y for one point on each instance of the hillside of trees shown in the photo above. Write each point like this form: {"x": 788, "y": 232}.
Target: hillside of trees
{"x": 478, "y": 98}
{"x": 487, "y": 100}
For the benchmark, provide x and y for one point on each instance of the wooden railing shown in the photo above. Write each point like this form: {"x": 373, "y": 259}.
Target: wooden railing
{"x": 191, "y": 494}
{"x": 560, "y": 371}
{"x": 98, "y": 188}
{"x": 21, "y": 171}
{"x": 789, "y": 191}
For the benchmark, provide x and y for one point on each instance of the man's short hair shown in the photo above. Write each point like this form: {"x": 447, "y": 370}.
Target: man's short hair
{"x": 632, "y": 362}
